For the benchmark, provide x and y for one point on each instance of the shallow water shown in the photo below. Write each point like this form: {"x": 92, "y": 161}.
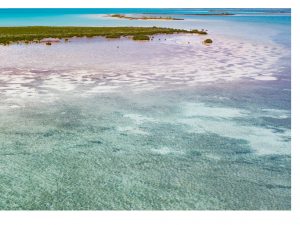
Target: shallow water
{"x": 166, "y": 124}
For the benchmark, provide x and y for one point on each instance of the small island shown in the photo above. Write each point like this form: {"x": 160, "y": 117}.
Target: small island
{"x": 48, "y": 34}
{"x": 211, "y": 14}
{"x": 122, "y": 16}
{"x": 200, "y": 14}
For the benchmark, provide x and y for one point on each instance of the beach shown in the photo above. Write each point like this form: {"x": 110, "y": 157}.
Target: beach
{"x": 165, "y": 124}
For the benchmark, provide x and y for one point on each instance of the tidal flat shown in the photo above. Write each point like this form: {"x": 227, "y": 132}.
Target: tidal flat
{"x": 164, "y": 124}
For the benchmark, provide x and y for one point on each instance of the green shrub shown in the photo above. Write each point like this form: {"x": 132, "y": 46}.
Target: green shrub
{"x": 113, "y": 36}
{"x": 208, "y": 41}
{"x": 198, "y": 31}
{"x": 141, "y": 37}
{"x": 202, "y": 32}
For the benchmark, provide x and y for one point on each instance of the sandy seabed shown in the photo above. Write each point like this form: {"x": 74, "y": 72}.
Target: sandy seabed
{"x": 166, "y": 124}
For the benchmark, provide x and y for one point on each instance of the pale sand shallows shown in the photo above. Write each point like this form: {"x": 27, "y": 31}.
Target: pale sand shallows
{"x": 98, "y": 65}
{"x": 88, "y": 67}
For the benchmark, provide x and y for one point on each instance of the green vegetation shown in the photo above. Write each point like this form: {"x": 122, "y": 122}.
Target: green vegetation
{"x": 113, "y": 36}
{"x": 36, "y": 33}
{"x": 208, "y": 41}
{"x": 199, "y": 31}
{"x": 141, "y": 38}
{"x": 122, "y": 16}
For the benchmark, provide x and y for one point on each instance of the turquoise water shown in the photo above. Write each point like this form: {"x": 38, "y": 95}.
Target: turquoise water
{"x": 174, "y": 124}
{"x": 262, "y": 23}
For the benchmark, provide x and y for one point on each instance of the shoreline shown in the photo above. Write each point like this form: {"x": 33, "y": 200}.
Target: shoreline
{"x": 35, "y": 34}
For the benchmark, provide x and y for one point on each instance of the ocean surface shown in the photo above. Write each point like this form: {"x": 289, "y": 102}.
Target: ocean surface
{"x": 98, "y": 124}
